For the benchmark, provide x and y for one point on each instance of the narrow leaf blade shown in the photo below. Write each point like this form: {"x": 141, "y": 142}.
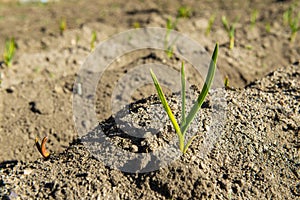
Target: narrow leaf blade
{"x": 204, "y": 91}
{"x": 165, "y": 104}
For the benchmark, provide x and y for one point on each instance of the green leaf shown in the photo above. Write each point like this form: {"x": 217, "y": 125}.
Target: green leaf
{"x": 169, "y": 24}
{"x": 168, "y": 110}
{"x": 9, "y": 51}
{"x": 210, "y": 24}
{"x": 225, "y": 23}
{"x": 204, "y": 91}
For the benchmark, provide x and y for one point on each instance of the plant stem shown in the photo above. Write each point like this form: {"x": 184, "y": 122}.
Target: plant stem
{"x": 231, "y": 44}
{"x": 9, "y": 51}
{"x": 210, "y": 24}
{"x": 293, "y": 36}
{"x": 168, "y": 110}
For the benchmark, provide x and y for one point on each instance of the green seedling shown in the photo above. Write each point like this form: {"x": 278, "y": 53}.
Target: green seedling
{"x": 294, "y": 30}
{"x": 226, "y": 82}
{"x": 184, "y": 12}
{"x": 249, "y": 47}
{"x": 292, "y": 21}
{"x": 169, "y": 48}
{"x": 93, "y": 40}
{"x": 9, "y": 51}
{"x": 230, "y": 31}
{"x": 62, "y": 25}
{"x": 186, "y": 120}
{"x": 253, "y": 18}
{"x": 227, "y": 86}
{"x": 37, "y": 69}
{"x": 287, "y": 16}
{"x": 136, "y": 25}
{"x": 171, "y": 25}
{"x": 210, "y": 24}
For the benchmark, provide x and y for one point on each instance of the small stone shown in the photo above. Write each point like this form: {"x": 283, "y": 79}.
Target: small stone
{"x": 255, "y": 168}
{"x": 73, "y": 42}
{"x": 134, "y": 148}
{"x": 27, "y": 171}
{"x": 58, "y": 89}
{"x": 202, "y": 166}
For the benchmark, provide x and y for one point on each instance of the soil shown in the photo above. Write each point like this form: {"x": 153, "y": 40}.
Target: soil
{"x": 256, "y": 155}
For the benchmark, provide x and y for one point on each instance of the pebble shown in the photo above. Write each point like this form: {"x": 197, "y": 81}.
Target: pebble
{"x": 134, "y": 148}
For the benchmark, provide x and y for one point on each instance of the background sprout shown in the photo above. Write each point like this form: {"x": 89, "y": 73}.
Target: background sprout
{"x": 186, "y": 120}
{"x": 184, "y": 12}
{"x": 294, "y": 29}
{"x": 210, "y": 24}
{"x": 9, "y": 51}
{"x": 136, "y": 25}
{"x": 226, "y": 82}
{"x": 93, "y": 40}
{"x": 62, "y": 25}
{"x": 253, "y": 18}
{"x": 230, "y": 31}
{"x": 268, "y": 27}
{"x": 287, "y": 15}
{"x": 169, "y": 47}
{"x": 292, "y": 21}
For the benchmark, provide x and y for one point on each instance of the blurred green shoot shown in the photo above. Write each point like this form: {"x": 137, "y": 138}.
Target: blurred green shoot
{"x": 292, "y": 20}
{"x": 136, "y": 25}
{"x": 184, "y": 12}
{"x": 169, "y": 47}
{"x": 186, "y": 120}
{"x": 93, "y": 40}
{"x": 249, "y": 47}
{"x": 226, "y": 82}
{"x": 210, "y": 24}
{"x": 253, "y": 17}
{"x": 62, "y": 25}
{"x": 230, "y": 31}
{"x": 9, "y": 51}
{"x": 287, "y": 16}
